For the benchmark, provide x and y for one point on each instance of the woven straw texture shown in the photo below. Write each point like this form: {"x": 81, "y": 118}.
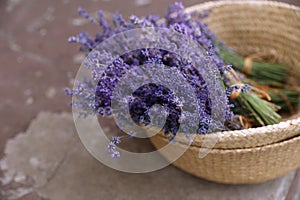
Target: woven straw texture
{"x": 258, "y": 154}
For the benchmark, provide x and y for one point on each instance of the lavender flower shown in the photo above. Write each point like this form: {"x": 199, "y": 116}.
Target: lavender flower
{"x": 245, "y": 88}
{"x": 86, "y": 15}
{"x": 115, "y": 154}
{"x": 111, "y": 147}
{"x": 116, "y": 139}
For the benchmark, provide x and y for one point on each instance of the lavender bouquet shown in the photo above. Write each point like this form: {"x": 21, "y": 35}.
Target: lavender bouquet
{"x": 244, "y": 106}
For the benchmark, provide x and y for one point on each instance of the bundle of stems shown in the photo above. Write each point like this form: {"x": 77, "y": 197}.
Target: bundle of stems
{"x": 287, "y": 99}
{"x": 268, "y": 77}
{"x": 253, "y": 104}
{"x": 264, "y": 112}
{"x": 268, "y": 74}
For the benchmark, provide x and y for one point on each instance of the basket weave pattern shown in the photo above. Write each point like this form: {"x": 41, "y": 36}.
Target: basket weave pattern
{"x": 258, "y": 154}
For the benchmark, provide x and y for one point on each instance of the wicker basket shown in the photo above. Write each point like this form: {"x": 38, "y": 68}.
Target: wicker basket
{"x": 259, "y": 154}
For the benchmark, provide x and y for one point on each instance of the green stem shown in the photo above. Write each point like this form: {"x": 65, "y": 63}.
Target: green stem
{"x": 264, "y": 112}
{"x": 262, "y": 73}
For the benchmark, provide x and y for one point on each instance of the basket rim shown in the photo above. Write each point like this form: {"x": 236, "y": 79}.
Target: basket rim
{"x": 253, "y": 137}
{"x": 207, "y": 5}
{"x": 241, "y": 150}
{"x": 237, "y": 139}
{"x": 236, "y": 136}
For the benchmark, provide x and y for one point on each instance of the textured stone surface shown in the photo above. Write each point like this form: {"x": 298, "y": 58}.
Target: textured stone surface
{"x": 51, "y": 157}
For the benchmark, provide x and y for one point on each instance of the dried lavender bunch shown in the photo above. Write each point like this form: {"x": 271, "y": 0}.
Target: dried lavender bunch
{"x": 145, "y": 97}
{"x": 252, "y": 103}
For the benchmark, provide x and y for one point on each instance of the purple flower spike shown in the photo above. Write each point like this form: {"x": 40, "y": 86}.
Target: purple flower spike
{"x": 115, "y": 154}
{"x": 111, "y": 147}
{"x": 72, "y": 39}
{"x": 116, "y": 139}
{"x": 85, "y": 14}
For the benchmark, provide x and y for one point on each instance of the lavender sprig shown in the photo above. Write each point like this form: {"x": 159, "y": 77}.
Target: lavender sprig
{"x": 112, "y": 145}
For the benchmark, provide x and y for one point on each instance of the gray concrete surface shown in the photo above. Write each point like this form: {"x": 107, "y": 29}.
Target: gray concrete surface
{"x": 49, "y": 160}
